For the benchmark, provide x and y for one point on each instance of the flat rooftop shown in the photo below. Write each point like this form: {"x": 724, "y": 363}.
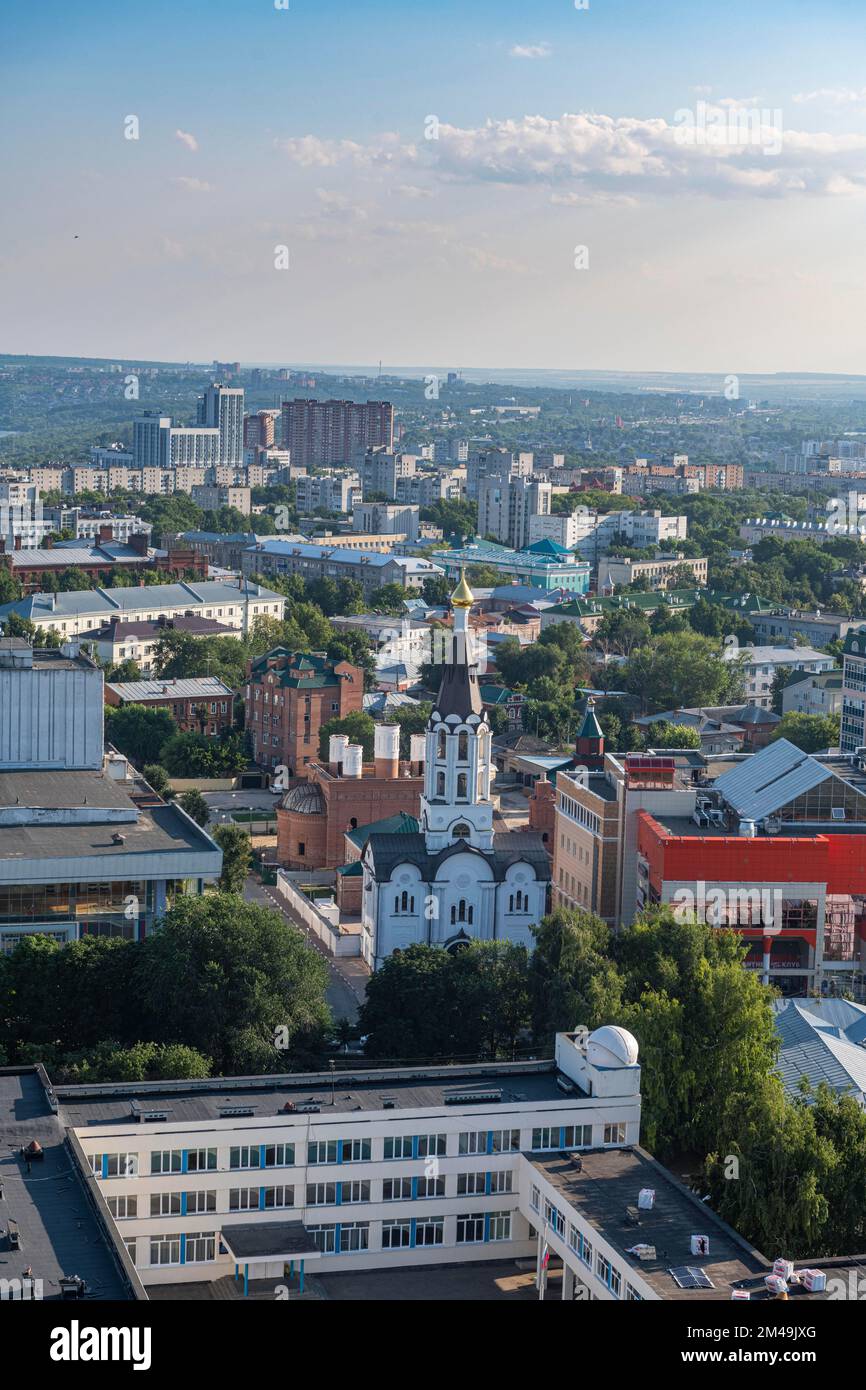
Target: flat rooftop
{"x": 610, "y": 1180}
{"x": 533, "y": 1082}
{"x": 60, "y": 1232}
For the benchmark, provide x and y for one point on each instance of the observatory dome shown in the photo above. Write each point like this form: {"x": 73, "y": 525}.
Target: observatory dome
{"x": 611, "y": 1047}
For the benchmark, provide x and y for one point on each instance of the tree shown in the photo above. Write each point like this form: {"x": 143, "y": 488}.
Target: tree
{"x": 413, "y": 1010}
{"x": 571, "y": 978}
{"x": 199, "y": 755}
{"x": 663, "y": 734}
{"x": 359, "y": 727}
{"x": 681, "y": 670}
{"x": 156, "y": 775}
{"x": 195, "y": 806}
{"x": 436, "y": 590}
{"x": 412, "y": 719}
{"x": 233, "y": 980}
{"x": 10, "y": 588}
{"x": 139, "y": 731}
{"x": 811, "y": 732}
{"x": 389, "y": 598}
{"x": 127, "y": 670}
{"x": 621, "y": 630}
{"x": 781, "y": 677}
{"x": 237, "y": 857}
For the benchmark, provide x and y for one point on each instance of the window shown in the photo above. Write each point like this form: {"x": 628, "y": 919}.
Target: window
{"x": 470, "y": 1229}
{"x": 462, "y": 786}
{"x": 166, "y": 1161}
{"x": 279, "y": 1155}
{"x": 279, "y": 1197}
{"x": 432, "y": 1145}
{"x": 614, "y": 1134}
{"x": 505, "y": 1141}
{"x": 566, "y": 1137}
{"x": 554, "y": 1217}
{"x": 356, "y": 1150}
{"x": 440, "y": 783}
{"x": 201, "y": 1160}
{"x": 118, "y": 1166}
{"x": 200, "y": 1201}
{"x": 461, "y": 831}
{"x": 430, "y": 1230}
{"x": 396, "y": 1235}
{"x": 165, "y": 1204}
{"x": 200, "y": 1247}
{"x": 501, "y": 1181}
{"x": 165, "y": 1250}
{"x": 404, "y": 903}
{"x": 471, "y": 1184}
{"x": 321, "y": 1194}
{"x": 246, "y": 1156}
{"x": 354, "y": 1235}
{"x": 431, "y": 1187}
{"x": 473, "y": 1142}
{"x": 244, "y": 1199}
{"x": 535, "y": 1198}
{"x": 462, "y": 748}
{"x": 397, "y": 1190}
{"x": 632, "y": 1295}
{"x": 354, "y": 1192}
{"x": 322, "y": 1151}
{"x": 123, "y": 1208}
{"x": 500, "y": 1225}
{"x": 400, "y": 1146}
{"x": 441, "y": 744}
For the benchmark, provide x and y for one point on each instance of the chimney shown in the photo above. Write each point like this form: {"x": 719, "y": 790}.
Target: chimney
{"x": 138, "y": 542}
{"x": 18, "y": 542}
{"x": 417, "y": 753}
{"x": 353, "y": 760}
{"x": 337, "y": 745}
{"x": 106, "y": 533}
{"x": 387, "y": 751}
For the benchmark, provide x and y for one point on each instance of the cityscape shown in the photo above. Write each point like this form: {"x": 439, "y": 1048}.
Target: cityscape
{"x": 435, "y": 789}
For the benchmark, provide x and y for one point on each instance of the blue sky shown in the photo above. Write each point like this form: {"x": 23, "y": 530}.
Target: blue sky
{"x": 557, "y": 128}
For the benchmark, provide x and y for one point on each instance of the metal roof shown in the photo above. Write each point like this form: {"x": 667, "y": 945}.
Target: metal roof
{"x": 771, "y": 779}
{"x": 193, "y": 688}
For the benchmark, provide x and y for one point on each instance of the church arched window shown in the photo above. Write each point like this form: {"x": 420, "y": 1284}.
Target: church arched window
{"x": 462, "y": 786}
{"x": 461, "y": 831}
{"x": 441, "y": 744}
{"x": 463, "y": 748}
{"x": 440, "y": 783}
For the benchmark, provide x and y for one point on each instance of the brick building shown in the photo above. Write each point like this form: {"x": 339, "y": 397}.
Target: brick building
{"x": 199, "y": 706}
{"x": 289, "y": 696}
{"x": 344, "y": 794}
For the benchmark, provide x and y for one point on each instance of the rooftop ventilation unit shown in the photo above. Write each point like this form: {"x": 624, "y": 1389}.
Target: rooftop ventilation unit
{"x": 565, "y": 1085}
{"x": 147, "y": 1114}
{"x": 493, "y": 1093}
{"x": 308, "y": 1107}
{"x": 389, "y": 1103}
{"x": 227, "y": 1111}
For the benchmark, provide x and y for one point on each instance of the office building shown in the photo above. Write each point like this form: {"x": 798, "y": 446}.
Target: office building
{"x": 507, "y": 507}
{"x": 321, "y": 433}
{"x": 222, "y": 408}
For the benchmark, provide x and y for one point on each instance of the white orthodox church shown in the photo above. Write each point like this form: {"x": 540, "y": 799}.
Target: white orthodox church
{"x": 456, "y": 880}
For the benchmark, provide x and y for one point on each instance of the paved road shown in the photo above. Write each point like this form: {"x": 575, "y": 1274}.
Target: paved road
{"x": 348, "y": 981}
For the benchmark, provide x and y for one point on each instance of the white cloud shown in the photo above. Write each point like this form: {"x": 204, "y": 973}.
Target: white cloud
{"x": 833, "y": 96}
{"x": 186, "y": 139}
{"x": 411, "y": 190}
{"x": 193, "y": 185}
{"x": 530, "y": 50}
{"x": 595, "y": 157}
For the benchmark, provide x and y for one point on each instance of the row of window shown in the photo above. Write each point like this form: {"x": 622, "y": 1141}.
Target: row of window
{"x": 554, "y": 1220}
{"x": 338, "y": 1151}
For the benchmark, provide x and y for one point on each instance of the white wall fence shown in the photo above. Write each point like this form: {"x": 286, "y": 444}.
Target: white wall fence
{"x": 321, "y": 917}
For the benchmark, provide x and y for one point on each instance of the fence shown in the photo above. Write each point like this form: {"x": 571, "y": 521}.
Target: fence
{"x": 321, "y": 919}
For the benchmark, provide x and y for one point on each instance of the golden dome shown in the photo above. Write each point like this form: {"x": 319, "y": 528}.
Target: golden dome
{"x": 463, "y": 596}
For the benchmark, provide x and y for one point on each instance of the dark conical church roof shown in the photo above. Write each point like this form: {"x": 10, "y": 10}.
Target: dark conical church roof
{"x": 459, "y": 692}
{"x": 590, "y": 728}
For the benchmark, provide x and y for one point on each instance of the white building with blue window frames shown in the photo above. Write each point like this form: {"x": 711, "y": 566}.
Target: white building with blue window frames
{"x": 254, "y": 1177}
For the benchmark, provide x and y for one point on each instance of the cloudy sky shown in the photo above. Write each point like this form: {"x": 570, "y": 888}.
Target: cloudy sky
{"x": 464, "y": 183}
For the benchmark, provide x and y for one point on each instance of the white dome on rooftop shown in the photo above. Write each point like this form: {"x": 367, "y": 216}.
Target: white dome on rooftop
{"x": 611, "y": 1046}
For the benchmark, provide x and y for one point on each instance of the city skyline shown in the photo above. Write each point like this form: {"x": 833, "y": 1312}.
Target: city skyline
{"x": 555, "y": 129}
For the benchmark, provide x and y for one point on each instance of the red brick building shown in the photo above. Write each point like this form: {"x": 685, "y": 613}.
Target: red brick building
{"x": 202, "y": 705}
{"x": 289, "y": 696}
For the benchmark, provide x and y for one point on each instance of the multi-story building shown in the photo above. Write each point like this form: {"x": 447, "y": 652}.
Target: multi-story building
{"x": 200, "y": 705}
{"x": 370, "y": 569}
{"x": 806, "y": 692}
{"x": 85, "y": 847}
{"x": 320, "y": 433}
{"x": 760, "y": 665}
{"x": 260, "y": 429}
{"x": 382, "y": 518}
{"x": 440, "y": 1165}
{"x": 119, "y": 640}
{"x": 853, "y": 735}
{"x": 792, "y": 625}
{"x": 507, "y": 506}
{"x": 543, "y": 565}
{"x": 236, "y": 603}
{"x": 330, "y": 492}
{"x": 382, "y": 469}
{"x": 222, "y": 408}
{"x": 619, "y": 574}
{"x": 288, "y": 697}
{"x": 159, "y": 445}
{"x": 214, "y": 497}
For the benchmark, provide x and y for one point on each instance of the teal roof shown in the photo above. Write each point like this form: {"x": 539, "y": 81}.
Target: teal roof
{"x": 590, "y": 728}
{"x": 495, "y": 694}
{"x": 400, "y": 824}
{"x": 350, "y": 870}
{"x": 546, "y": 547}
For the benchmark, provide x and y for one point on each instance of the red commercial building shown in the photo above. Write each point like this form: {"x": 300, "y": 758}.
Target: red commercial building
{"x": 775, "y": 848}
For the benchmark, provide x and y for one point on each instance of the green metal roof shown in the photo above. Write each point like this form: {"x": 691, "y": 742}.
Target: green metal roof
{"x": 400, "y": 824}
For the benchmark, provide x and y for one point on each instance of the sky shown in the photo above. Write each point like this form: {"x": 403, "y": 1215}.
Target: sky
{"x": 465, "y": 183}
